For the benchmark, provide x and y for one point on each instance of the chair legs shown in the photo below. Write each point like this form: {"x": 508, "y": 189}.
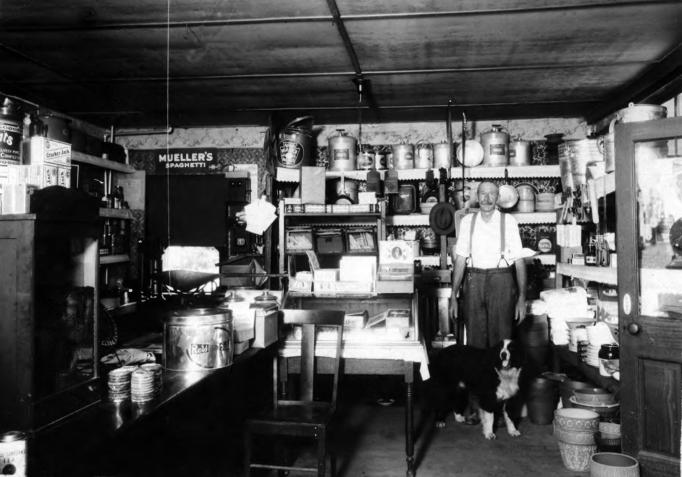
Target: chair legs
{"x": 321, "y": 452}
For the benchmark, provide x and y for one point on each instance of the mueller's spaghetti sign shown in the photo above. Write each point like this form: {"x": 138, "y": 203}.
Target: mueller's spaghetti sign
{"x": 190, "y": 161}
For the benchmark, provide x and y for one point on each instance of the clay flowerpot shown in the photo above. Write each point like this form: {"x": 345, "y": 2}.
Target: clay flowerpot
{"x": 574, "y": 437}
{"x": 576, "y": 457}
{"x": 613, "y": 464}
{"x": 576, "y": 419}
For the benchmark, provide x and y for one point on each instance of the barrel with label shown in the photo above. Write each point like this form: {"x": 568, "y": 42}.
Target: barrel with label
{"x": 342, "y": 152}
{"x": 10, "y": 134}
{"x": 295, "y": 144}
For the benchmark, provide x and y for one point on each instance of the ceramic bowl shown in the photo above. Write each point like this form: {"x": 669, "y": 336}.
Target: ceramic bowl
{"x": 594, "y": 396}
{"x": 576, "y": 419}
{"x": 609, "y": 428}
{"x": 604, "y": 412}
{"x": 613, "y": 464}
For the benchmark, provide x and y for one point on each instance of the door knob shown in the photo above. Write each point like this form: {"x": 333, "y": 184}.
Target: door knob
{"x": 633, "y": 328}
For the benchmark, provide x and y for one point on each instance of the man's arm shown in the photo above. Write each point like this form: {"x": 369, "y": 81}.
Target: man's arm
{"x": 458, "y": 268}
{"x": 520, "y": 311}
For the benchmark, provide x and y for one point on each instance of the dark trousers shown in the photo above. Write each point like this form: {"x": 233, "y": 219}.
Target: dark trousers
{"x": 489, "y": 301}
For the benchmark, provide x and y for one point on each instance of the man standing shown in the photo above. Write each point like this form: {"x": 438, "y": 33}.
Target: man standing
{"x": 487, "y": 247}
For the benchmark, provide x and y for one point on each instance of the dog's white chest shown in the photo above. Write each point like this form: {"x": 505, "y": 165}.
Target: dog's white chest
{"x": 509, "y": 383}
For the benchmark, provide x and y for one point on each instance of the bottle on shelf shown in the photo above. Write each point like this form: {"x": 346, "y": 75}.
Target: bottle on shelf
{"x": 105, "y": 239}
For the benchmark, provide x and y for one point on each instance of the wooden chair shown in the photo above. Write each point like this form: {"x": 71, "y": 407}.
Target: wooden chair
{"x": 303, "y": 417}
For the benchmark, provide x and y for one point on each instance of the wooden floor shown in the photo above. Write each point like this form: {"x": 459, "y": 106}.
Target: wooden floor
{"x": 370, "y": 442}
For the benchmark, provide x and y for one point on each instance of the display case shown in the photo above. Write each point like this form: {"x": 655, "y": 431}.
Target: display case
{"x": 48, "y": 315}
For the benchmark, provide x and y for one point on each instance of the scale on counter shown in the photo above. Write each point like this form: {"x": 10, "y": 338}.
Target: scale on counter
{"x": 676, "y": 244}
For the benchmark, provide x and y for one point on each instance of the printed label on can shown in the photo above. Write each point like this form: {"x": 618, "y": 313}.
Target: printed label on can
{"x": 544, "y": 245}
{"x": 290, "y": 153}
{"x": 340, "y": 155}
{"x": 13, "y": 457}
{"x": 498, "y": 150}
{"x": 10, "y": 143}
{"x": 366, "y": 161}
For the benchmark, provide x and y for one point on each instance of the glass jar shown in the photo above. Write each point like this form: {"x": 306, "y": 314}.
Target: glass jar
{"x": 609, "y": 359}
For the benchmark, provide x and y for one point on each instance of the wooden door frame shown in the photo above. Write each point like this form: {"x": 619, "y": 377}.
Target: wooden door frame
{"x": 626, "y": 136}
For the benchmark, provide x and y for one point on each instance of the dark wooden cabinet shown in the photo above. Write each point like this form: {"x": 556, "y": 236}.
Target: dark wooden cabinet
{"x": 649, "y": 246}
{"x": 48, "y": 318}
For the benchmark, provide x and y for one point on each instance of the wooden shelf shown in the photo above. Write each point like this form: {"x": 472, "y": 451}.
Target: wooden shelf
{"x": 294, "y": 175}
{"x": 606, "y": 275}
{"x": 99, "y": 162}
{"x": 111, "y": 259}
{"x": 590, "y": 372}
{"x": 514, "y": 172}
{"x": 413, "y": 220}
{"x": 115, "y": 213}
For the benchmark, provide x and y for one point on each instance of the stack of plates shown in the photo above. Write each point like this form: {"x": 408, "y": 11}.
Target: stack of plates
{"x": 157, "y": 371}
{"x": 119, "y": 383}
{"x": 142, "y": 386}
{"x": 592, "y": 356}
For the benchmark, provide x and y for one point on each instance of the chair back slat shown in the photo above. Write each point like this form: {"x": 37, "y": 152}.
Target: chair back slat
{"x": 310, "y": 321}
{"x": 307, "y": 363}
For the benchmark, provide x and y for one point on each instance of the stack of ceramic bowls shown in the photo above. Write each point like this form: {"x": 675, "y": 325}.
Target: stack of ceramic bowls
{"x": 608, "y": 437}
{"x": 596, "y": 400}
{"x": 575, "y": 430}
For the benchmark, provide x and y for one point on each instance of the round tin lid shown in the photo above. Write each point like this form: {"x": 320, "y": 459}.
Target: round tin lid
{"x": 199, "y": 316}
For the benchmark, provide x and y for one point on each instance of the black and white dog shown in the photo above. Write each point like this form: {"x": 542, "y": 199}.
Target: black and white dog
{"x": 491, "y": 376}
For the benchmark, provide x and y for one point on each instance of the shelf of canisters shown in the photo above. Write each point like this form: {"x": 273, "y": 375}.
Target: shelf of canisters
{"x": 605, "y": 275}
{"x": 434, "y": 260}
{"x": 110, "y": 259}
{"x": 480, "y": 172}
{"x": 115, "y": 213}
{"x": 99, "y": 162}
{"x": 415, "y": 220}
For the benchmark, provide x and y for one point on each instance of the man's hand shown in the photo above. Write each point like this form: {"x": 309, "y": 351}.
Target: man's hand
{"x": 453, "y": 307}
{"x": 520, "y": 310}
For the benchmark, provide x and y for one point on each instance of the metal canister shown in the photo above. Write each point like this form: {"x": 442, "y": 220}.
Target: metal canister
{"x": 13, "y": 453}
{"x": 442, "y": 155}
{"x": 198, "y": 339}
{"x": 641, "y": 112}
{"x": 403, "y": 156}
{"x": 295, "y": 144}
{"x": 519, "y": 153}
{"x": 342, "y": 152}
{"x": 424, "y": 156}
{"x": 366, "y": 158}
{"x": 380, "y": 158}
{"x": 10, "y": 134}
{"x": 495, "y": 146}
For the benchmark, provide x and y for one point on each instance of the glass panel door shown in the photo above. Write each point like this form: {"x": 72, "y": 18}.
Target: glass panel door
{"x": 658, "y": 173}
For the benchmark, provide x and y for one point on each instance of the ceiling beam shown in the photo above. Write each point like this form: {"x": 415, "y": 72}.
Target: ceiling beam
{"x": 350, "y": 49}
{"x": 256, "y": 76}
{"x": 662, "y": 77}
{"x": 319, "y": 18}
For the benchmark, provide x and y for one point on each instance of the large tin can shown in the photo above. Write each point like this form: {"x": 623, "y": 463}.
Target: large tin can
{"x": 13, "y": 453}
{"x": 495, "y": 146}
{"x": 519, "y": 153}
{"x": 403, "y": 156}
{"x": 295, "y": 144}
{"x": 442, "y": 155}
{"x": 424, "y": 156}
{"x": 10, "y": 134}
{"x": 366, "y": 158}
{"x": 342, "y": 152}
{"x": 198, "y": 339}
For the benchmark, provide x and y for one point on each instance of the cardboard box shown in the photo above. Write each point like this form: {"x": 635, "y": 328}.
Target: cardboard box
{"x": 266, "y": 327}
{"x": 16, "y": 198}
{"x": 313, "y": 182}
{"x": 44, "y": 175}
{"x": 39, "y": 151}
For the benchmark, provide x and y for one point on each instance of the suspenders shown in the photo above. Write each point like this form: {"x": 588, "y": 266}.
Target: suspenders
{"x": 503, "y": 220}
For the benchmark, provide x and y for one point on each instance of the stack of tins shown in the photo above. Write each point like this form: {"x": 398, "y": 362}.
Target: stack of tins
{"x": 574, "y": 430}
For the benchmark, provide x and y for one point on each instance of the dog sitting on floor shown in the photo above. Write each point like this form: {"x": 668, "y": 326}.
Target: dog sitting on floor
{"x": 491, "y": 376}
